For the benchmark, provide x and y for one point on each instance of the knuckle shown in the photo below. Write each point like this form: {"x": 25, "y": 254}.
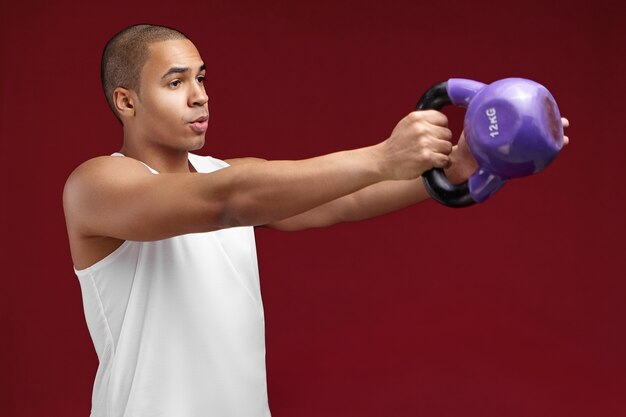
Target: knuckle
{"x": 416, "y": 115}
{"x": 419, "y": 129}
{"x": 421, "y": 142}
{"x": 439, "y": 118}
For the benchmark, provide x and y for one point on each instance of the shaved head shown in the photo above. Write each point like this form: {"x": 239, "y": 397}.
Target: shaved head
{"x": 125, "y": 55}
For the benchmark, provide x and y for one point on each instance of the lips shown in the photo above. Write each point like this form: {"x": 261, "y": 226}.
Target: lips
{"x": 200, "y": 124}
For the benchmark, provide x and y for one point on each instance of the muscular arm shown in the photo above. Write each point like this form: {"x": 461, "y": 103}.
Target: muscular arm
{"x": 378, "y": 199}
{"x": 118, "y": 197}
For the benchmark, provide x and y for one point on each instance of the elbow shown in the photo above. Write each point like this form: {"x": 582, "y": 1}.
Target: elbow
{"x": 217, "y": 210}
{"x": 223, "y": 216}
{"x": 236, "y": 211}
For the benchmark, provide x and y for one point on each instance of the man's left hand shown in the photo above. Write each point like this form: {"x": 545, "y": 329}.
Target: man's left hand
{"x": 462, "y": 163}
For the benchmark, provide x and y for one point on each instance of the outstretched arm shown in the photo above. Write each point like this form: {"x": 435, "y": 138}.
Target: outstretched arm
{"x": 119, "y": 198}
{"x": 383, "y": 197}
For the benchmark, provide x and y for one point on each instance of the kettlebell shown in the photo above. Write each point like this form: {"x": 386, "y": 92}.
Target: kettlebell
{"x": 512, "y": 128}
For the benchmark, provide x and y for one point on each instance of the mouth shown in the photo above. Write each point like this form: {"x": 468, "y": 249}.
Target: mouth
{"x": 200, "y": 124}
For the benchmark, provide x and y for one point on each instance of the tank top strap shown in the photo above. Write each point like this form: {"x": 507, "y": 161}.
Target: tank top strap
{"x": 121, "y": 154}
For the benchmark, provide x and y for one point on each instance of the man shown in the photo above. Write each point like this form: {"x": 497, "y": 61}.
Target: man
{"x": 162, "y": 239}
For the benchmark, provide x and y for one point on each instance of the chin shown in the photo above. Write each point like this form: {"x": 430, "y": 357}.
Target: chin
{"x": 198, "y": 145}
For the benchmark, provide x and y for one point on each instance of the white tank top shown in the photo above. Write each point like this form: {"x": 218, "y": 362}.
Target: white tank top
{"x": 178, "y": 325}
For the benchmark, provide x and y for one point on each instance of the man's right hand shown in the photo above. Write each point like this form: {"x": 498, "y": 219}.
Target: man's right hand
{"x": 418, "y": 143}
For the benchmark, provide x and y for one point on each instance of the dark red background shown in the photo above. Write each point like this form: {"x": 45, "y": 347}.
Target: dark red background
{"x": 512, "y": 308}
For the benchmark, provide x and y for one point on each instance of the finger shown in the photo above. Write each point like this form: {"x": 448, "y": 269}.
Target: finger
{"x": 434, "y": 117}
{"x": 565, "y": 140}
{"x": 441, "y": 161}
{"x": 442, "y": 146}
{"x": 565, "y": 122}
{"x": 442, "y": 133}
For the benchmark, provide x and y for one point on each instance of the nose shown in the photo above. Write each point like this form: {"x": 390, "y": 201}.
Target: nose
{"x": 198, "y": 96}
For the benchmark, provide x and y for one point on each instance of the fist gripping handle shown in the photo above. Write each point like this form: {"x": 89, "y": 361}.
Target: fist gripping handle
{"x": 437, "y": 184}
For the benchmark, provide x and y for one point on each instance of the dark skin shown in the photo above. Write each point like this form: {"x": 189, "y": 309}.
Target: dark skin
{"x": 108, "y": 200}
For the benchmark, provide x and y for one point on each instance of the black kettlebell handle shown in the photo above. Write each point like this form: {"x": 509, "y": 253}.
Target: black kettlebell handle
{"x": 437, "y": 184}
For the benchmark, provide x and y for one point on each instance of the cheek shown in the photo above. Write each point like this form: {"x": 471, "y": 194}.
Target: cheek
{"x": 164, "y": 107}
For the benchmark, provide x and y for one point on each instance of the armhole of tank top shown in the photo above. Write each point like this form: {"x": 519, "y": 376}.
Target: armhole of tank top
{"x": 104, "y": 261}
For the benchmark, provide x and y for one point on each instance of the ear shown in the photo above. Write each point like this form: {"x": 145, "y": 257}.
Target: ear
{"x": 124, "y": 102}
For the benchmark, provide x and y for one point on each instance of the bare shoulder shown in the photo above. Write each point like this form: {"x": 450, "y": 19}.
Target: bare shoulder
{"x": 99, "y": 172}
{"x": 104, "y": 168}
{"x": 83, "y": 188}
{"x": 239, "y": 161}
{"x": 90, "y": 179}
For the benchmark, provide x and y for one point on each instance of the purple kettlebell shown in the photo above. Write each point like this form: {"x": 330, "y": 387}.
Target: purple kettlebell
{"x": 512, "y": 127}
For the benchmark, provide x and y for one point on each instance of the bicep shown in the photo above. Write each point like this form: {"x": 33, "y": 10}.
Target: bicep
{"x": 122, "y": 199}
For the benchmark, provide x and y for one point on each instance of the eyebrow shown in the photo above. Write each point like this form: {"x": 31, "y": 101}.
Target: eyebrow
{"x": 179, "y": 70}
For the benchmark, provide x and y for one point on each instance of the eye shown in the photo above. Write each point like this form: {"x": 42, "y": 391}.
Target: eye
{"x": 200, "y": 78}
{"x": 174, "y": 83}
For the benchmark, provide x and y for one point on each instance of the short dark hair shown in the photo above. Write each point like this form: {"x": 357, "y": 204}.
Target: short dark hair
{"x": 125, "y": 55}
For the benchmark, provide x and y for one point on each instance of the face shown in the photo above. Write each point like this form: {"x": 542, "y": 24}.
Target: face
{"x": 171, "y": 109}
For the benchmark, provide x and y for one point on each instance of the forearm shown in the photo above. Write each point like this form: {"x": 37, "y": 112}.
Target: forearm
{"x": 389, "y": 196}
{"x": 372, "y": 201}
{"x": 382, "y": 198}
{"x": 264, "y": 192}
